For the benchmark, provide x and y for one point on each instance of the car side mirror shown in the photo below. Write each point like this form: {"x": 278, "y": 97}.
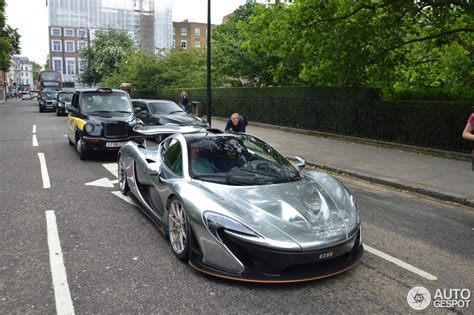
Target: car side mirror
{"x": 145, "y": 113}
{"x": 72, "y": 109}
{"x": 301, "y": 163}
{"x": 136, "y": 110}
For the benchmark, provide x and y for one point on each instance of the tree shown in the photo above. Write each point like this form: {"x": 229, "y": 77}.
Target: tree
{"x": 375, "y": 43}
{"x": 9, "y": 40}
{"x": 36, "y": 70}
{"x": 176, "y": 68}
{"x": 108, "y": 49}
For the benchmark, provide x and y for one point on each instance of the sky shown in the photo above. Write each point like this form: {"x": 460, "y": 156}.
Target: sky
{"x": 30, "y": 17}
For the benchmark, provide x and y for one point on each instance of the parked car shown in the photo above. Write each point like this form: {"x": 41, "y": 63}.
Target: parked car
{"x": 163, "y": 112}
{"x": 63, "y": 100}
{"x": 100, "y": 120}
{"x": 47, "y": 100}
{"x": 26, "y": 95}
{"x": 232, "y": 206}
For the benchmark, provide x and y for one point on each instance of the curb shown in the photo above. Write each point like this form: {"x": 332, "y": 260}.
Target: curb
{"x": 413, "y": 188}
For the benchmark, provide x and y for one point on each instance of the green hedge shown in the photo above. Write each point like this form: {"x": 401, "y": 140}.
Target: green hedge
{"x": 350, "y": 111}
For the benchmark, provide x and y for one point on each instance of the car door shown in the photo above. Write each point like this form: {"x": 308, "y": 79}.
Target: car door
{"x": 73, "y": 118}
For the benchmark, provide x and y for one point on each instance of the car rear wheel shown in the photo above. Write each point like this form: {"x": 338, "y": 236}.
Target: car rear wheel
{"x": 122, "y": 176}
{"x": 178, "y": 229}
{"x": 80, "y": 149}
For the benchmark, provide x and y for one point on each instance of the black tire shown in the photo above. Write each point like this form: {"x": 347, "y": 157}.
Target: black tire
{"x": 41, "y": 110}
{"x": 179, "y": 231}
{"x": 122, "y": 176}
{"x": 83, "y": 154}
{"x": 57, "y": 113}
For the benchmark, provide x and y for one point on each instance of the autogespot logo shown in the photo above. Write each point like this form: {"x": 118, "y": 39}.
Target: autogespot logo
{"x": 419, "y": 298}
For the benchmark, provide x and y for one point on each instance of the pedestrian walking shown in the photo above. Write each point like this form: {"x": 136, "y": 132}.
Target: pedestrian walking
{"x": 468, "y": 134}
{"x": 184, "y": 101}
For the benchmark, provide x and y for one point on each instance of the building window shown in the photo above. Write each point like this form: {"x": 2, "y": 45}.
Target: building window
{"x": 174, "y": 31}
{"x": 69, "y": 46}
{"x": 55, "y": 32}
{"x": 81, "y": 44}
{"x": 184, "y": 31}
{"x": 184, "y": 44}
{"x": 70, "y": 66}
{"x": 69, "y": 32}
{"x": 56, "y": 45}
{"x": 197, "y": 31}
{"x": 82, "y": 65}
{"x": 58, "y": 64}
{"x": 82, "y": 34}
{"x": 174, "y": 44}
{"x": 197, "y": 43}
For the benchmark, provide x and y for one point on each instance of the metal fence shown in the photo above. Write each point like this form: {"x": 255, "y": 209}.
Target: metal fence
{"x": 436, "y": 125}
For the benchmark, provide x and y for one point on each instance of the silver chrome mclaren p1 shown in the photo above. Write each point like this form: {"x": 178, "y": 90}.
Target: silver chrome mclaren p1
{"x": 233, "y": 207}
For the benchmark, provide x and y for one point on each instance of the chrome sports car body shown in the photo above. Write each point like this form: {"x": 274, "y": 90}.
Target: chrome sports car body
{"x": 234, "y": 207}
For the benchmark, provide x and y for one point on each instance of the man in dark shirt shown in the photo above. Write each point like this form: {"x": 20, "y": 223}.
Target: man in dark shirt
{"x": 236, "y": 123}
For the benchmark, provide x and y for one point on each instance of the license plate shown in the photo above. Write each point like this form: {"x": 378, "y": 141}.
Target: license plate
{"x": 114, "y": 144}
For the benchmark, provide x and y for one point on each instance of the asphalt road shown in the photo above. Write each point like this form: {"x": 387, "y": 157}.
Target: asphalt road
{"x": 116, "y": 261}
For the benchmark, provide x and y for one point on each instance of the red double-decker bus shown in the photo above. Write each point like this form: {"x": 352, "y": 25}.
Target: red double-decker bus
{"x": 50, "y": 80}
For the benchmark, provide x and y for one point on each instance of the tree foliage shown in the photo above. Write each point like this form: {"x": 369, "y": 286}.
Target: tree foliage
{"x": 147, "y": 73}
{"x": 9, "y": 40}
{"x": 36, "y": 70}
{"x": 387, "y": 44}
{"x": 108, "y": 49}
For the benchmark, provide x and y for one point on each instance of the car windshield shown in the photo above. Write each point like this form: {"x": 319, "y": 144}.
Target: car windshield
{"x": 167, "y": 107}
{"x": 65, "y": 97}
{"x": 237, "y": 160}
{"x": 50, "y": 94}
{"x": 105, "y": 102}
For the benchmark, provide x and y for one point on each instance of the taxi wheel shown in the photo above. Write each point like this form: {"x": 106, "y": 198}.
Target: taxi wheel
{"x": 80, "y": 149}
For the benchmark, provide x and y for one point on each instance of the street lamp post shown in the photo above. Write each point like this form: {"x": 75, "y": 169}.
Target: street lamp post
{"x": 209, "y": 97}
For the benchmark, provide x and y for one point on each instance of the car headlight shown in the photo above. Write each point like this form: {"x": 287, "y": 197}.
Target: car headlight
{"x": 89, "y": 128}
{"x": 216, "y": 222}
{"x": 356, "y": 208}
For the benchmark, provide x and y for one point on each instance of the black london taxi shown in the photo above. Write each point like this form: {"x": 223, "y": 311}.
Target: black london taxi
{"x": 101, "y": 120}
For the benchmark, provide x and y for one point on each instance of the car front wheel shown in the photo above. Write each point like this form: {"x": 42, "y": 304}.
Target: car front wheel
{"x": 122, "y": 176}
{"x": 81, "y": 149}
{"x": 179, "y": 229}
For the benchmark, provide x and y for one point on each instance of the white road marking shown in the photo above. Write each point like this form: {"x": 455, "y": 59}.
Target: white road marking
{"x": 58, "y": 271}
{"x": 103, "y": 182}
{"x": 44, "y": 171}
{"x": 400, "y": 263}
{"x": 34, "y": 128}
{"x": 35, "y": 141}
{"x": 123, "y": 197}
{"x": 112, "y": 168}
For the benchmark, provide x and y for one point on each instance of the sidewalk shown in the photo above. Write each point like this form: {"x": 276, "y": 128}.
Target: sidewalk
{"x": 443, "y": 178}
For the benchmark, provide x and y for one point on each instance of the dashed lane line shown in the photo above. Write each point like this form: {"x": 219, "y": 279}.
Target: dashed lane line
{"x": 35, "y": 141}
{"x": 400, "y": 263}
{"x": 62, "y": 295}
{"x": 44, "y": 171}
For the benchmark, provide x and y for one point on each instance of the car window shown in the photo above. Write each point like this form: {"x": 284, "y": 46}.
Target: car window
{"x": 105, "y": 102}
{"x": 65, "y": 97}
{"x": 172, "y": 156}
{"x": 164, "y": 107}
